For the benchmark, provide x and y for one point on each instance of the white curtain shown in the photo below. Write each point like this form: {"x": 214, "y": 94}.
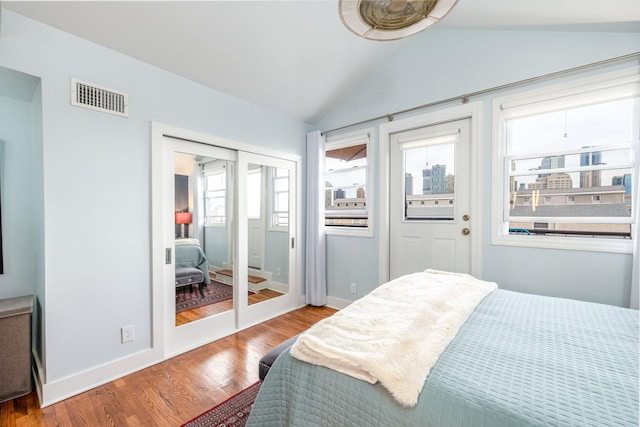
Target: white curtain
{"x": 197, "y": 200}
{"x": 316, "y": 276}
{"x": 635, "y": 274}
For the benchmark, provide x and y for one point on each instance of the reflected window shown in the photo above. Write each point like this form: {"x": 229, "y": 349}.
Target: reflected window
{"x": 254, "y": 193}
{"x": 215, "y": 194}
{"x": 280, "y": 200}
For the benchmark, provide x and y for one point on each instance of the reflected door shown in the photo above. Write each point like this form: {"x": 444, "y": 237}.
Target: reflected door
{"x": 430, "y": 225}
{"x": 256, "y": 216}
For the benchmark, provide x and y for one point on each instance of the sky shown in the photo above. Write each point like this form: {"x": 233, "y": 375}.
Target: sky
{"x": 550, "y": 133}
{"x": 569, "y": 130}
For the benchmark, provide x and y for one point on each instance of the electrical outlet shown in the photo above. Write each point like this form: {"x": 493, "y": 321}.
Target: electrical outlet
{"x": 354, "y": 288}
{"x": 278, "y": 272}
{"x": 127, "y": 333}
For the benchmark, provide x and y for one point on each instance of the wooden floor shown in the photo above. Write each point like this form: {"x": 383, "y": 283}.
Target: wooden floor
{"x": 219, "y": 307}
{"x": 174, "y": 391}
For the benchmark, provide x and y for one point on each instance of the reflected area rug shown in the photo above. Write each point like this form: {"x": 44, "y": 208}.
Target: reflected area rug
{"x": 233, "y": 412}
{"x": 213, "y": 293}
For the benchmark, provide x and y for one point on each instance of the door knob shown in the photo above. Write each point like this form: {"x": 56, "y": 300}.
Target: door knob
{"x": 465, "y": 217}
{"x": 466, "y": 231}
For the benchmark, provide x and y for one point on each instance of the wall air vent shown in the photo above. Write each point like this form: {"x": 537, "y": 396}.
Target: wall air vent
{"x": 94, "y": 97}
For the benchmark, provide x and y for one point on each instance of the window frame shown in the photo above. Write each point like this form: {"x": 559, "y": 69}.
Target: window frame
{"x": 605, "y": 87}
{"x": 271, "y": 184}
{"x": 261, "y": 200}
{"x": 216, "y": 169}
{"x": 346, "y": 140}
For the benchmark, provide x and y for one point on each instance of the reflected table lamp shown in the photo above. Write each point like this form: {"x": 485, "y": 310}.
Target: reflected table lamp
{"x": 183, "y": 218}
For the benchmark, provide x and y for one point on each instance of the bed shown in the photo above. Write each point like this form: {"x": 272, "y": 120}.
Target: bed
{"x": 516, "y": 360}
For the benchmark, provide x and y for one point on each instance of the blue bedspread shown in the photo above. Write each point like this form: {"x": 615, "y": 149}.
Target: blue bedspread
{"x": 519, "y": 360}
{"x": 193, "y": 256}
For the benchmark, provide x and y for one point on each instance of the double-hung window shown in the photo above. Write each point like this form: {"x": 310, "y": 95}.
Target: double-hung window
{"x": 347, "y": 184}
{"x": 565, "y": 157}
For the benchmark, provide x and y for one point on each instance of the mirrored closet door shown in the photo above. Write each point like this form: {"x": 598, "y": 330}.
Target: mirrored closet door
{"x": 266, "y": 267}
{"x": 204, "y": 237}
{"x": 230, "y": 252}
{"x": 199, "y": 219}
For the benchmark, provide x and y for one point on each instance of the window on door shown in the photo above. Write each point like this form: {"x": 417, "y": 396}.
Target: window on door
{"x": 429, "y": 178}
{"x": 568, "y": 159}
{"x": 347, "y": 183}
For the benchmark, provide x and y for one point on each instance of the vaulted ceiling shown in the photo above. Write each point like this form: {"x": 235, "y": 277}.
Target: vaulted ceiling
{"x": 293, "y": 57}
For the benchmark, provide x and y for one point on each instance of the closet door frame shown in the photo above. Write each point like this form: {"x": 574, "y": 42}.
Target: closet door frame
{"x": 165, "y": 336}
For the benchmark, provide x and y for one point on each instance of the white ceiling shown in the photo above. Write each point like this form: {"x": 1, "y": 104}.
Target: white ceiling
{"x": 292, "y": 57}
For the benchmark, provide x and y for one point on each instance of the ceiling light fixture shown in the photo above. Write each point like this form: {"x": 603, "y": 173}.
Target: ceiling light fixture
{"x": 391, "y": 19}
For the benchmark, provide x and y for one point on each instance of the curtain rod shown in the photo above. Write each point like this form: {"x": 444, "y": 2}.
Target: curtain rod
{"x": 465, "y": 98}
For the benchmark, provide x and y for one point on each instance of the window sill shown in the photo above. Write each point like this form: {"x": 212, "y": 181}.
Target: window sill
{"x": 623, "y": 246}
{"x": 345, "y": 231}
{"x": 215, "y": 225}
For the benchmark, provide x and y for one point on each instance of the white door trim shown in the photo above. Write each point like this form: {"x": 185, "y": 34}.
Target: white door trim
{"x": 160, "y": 340}
{"x": 472, "y": 111}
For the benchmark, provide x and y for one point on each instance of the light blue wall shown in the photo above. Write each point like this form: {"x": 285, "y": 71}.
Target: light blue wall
{"x": 439, "y": 64}
{"x": 18, "y": 199}
{"x": 351, "y": 260}
{"x": 22, "y": 193}
{"x": 276, "y": 257}
{"x": 96, "y": 174}
{"x": 216, "y": 246}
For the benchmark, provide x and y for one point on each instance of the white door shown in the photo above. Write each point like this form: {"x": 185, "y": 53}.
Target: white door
{"x": 429, "y": 199}
{"x": 256, "y": 243}
{"x": 256, "y": 215}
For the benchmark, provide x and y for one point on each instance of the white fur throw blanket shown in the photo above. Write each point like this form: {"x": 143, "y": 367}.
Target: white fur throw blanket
{"x": 397, "y": 332}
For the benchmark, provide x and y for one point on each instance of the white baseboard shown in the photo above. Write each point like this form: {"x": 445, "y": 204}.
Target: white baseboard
{"x": 337, "y": 303}
{"x": 56, "y": 391}
{"x": 283, "y": 288}
{"x": 64, "y": 388}
{"x": 332, "y": 302}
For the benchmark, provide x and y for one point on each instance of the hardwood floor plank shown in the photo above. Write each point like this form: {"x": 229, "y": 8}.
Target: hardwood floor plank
{"x": 172, "y": 392}
{"x": 7, "y": 414}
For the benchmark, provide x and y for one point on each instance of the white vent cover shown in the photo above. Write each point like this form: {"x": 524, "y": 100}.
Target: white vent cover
{"x": 94, "y": 97}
